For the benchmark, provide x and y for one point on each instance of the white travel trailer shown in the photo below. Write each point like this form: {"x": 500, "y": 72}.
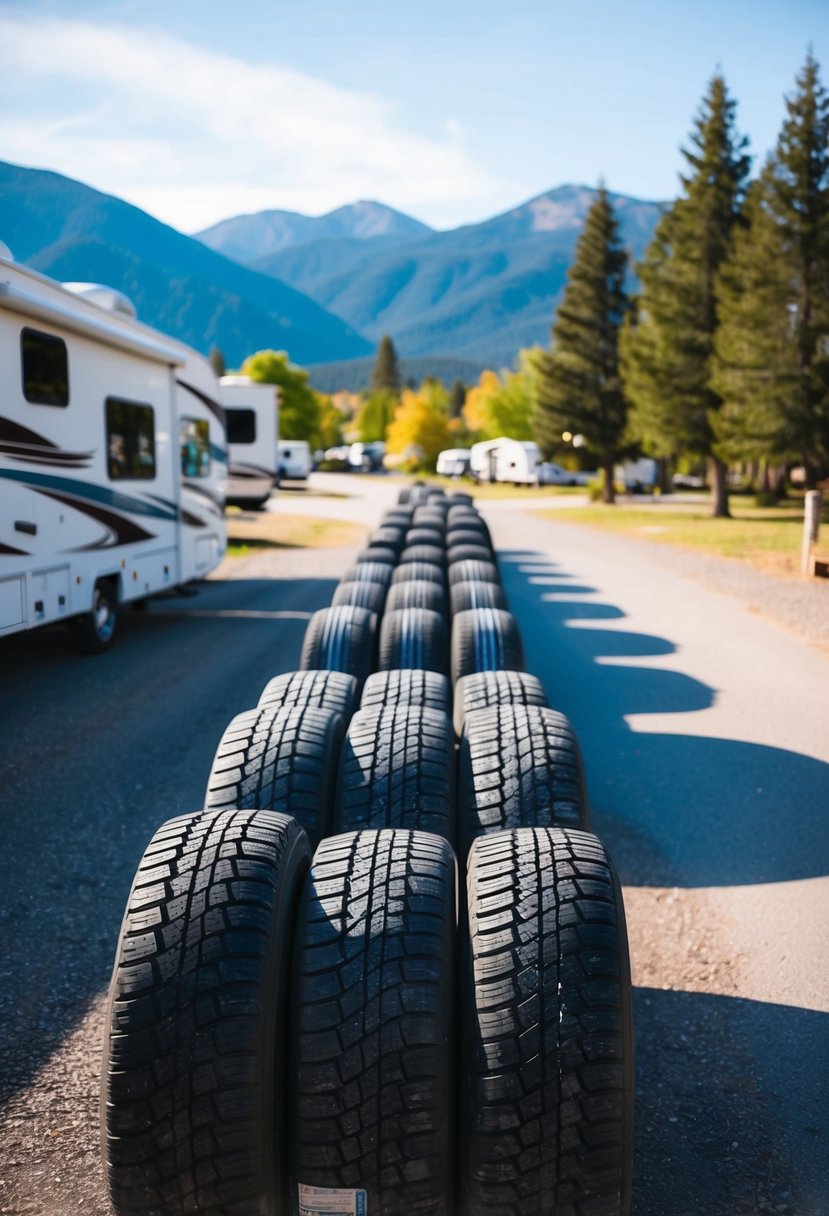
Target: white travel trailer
{"x": 453, "y": 462}
{"x": 112, "y": 458}
{"x": 252, "y": 412}
{"x": 504, "y": 459}
{"x": 295, "y": 459}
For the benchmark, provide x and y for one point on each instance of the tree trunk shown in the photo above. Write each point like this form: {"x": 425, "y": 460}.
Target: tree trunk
{"x": 608, "y": 493}
{"x": 765, "y": 485}
{"x": 719, "y": 489}
{"x": 663, "y": 479}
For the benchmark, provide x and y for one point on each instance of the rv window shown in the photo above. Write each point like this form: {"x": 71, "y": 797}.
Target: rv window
{"x": 130, "y": 440}
{"x": 195, "y": 447}
{"x": 45, "y": 368}
{"x": 241, "y": 426}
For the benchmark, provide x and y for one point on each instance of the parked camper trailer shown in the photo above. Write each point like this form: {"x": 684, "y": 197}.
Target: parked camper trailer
{"x": 252, "y": 411}
{"x": 453, "y": 462}
{"x": 504, "y": 459}
{"x": 294, "y": 459}
{"x": 112, "y": 458}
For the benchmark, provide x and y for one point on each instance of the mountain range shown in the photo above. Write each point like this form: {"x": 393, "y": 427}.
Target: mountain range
{"x": 71, "y": 232}
{"x": 323, "y": 288}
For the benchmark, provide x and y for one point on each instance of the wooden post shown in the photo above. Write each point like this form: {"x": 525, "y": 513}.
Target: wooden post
{"x": 811, "y": 527}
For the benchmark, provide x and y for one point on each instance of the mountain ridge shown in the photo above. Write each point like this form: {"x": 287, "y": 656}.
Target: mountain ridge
{"x": 71, "y": 231}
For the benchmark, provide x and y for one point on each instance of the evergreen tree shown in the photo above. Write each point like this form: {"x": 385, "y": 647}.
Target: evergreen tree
{"x": 666, "y": 354}
{"x": 578, "y": 387}
{"x": 457, "y": 399}
{"x": 216, "y": 360}
{"x": 386, "y": 371}
{"x": 771, "y": 362}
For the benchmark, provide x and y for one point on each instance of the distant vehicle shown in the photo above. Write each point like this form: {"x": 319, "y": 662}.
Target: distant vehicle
{"x": 516, "y": 461}
{"x": 638, "y": 476}
{"x": 687, "y": 481}
{"x": 366, "y": 457}
{"x": 113, "y": 458}
{"x": 294, "y": 460}
{"x": 454, "y": 462}
{"x": 551, "y": 474}
{"x": 252, "y": 412}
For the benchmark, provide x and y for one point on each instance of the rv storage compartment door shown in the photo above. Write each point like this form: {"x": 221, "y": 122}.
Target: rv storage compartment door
{"x": 12, "y": 599}
{"x": 48, "y": 594}
{"x": 151, "y": 572}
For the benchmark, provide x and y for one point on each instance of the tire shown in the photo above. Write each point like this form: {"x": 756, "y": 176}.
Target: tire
{"x": 397, "y": 770}
{"x": 417, "y": 594}
{"x": 369, "y": 572}
{"x": 387, "y": 537}
{"x": 487, "y": 688}
{"x": 397, "y": 518}
{"x": 406, "y": 687}
{"x": 404, "y": 495}
{"x": 320, "y": 689}
{"x": 485, "y": 639}
{"x": 361, "y": 595}
{"x": 424, "y": 536}
{"x": 375, "y": 554}
{"x": 94, "y": 632}
{"x": 464, "y": 596}
{"x": 413, "y": 639}
{"x": 468, "y": 520}
{"x": 419, "y": 572}
{"x": 279, "y": 760}
{"x": 458, "y": 499}
{"x": 472, "y": 572}
{"x": 196, "y": 1042}
{"x": 546, "y": 1029}
{"x": 435, "y": 554}
{"x": 519, "y": 766}
{"x": 340, "y": 639}
{"x": 373, "y": 1037}
{"x": 429, "y": 517}
{"x": 466, "y": 536}
{"x": 472, "y": 553}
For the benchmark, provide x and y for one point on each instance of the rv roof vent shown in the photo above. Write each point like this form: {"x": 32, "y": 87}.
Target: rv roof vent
{"x": 5, "y": 252}
{"x": 235, "y": 380}
{"x": 105, "y": 297}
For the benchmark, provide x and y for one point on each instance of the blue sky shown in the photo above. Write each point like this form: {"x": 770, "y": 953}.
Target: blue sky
{"x": 449, "y": 111}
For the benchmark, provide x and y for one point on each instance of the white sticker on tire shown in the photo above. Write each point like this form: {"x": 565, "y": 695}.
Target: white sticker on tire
{"x": 331, "y": 1201}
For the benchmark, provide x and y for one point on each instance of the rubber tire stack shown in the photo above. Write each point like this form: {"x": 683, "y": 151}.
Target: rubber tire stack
{"x": 238, "y": 1083}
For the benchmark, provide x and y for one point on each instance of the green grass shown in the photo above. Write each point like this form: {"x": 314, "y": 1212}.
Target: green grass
{"x": 766, "y": 537}
{"x": 247, "y": 533}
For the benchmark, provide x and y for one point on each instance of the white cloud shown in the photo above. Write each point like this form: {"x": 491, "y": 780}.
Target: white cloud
{"x": 194, "y": 136}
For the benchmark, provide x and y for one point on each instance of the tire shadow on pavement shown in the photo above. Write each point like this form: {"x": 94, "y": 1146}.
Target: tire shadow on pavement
{"x": 712, "y": 1136}
{"x": 674, "y": 809}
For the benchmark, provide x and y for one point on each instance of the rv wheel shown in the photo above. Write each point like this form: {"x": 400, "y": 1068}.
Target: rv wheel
{"x": 93, "y": 631}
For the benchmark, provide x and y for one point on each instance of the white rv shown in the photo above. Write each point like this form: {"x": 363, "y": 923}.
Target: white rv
{"x": 252, "y": 412}
{"x": 112, "y": 458}
{"x": 295, "y": 459}
{"x": 504, "y": 459}
{"x": 453, "y": 462}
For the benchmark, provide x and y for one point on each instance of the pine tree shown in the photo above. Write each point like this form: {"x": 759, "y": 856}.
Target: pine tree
{"x": 386, "y": 372}
{"x": 216, "y": 360}
{"x": 578, "y": 387}
{"x": 457, "y": 398}
{"x": 666, "y": 354}
{"x": 771, "y": 361}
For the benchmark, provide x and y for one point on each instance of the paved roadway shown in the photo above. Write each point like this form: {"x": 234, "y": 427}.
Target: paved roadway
{"x": 707, "y": 755}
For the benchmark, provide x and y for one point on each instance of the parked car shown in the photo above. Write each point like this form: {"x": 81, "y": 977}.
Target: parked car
{"x": 551, "y": 474}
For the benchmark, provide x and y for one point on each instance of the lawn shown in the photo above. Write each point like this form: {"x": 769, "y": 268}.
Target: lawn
{"x": 766, "y": 537}
{"x": 247, "y": 531}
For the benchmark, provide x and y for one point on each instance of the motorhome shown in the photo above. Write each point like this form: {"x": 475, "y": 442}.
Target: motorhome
{"x": 294, "y": 459}
{"x": 112, "y": 458}
{"x": 252, "y": 411}
{"x": 504, "y": 459}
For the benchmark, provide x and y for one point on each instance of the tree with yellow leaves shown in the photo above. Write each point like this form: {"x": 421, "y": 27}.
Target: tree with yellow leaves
{"x": 420, "y": 428}
{"x": 502, "y": 404}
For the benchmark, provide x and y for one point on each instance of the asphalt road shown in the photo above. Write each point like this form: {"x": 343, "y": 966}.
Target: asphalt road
{"x": 704, "y": 730}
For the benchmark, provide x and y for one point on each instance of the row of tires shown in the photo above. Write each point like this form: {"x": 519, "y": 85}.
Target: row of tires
{"x": 344, "y": 1030}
